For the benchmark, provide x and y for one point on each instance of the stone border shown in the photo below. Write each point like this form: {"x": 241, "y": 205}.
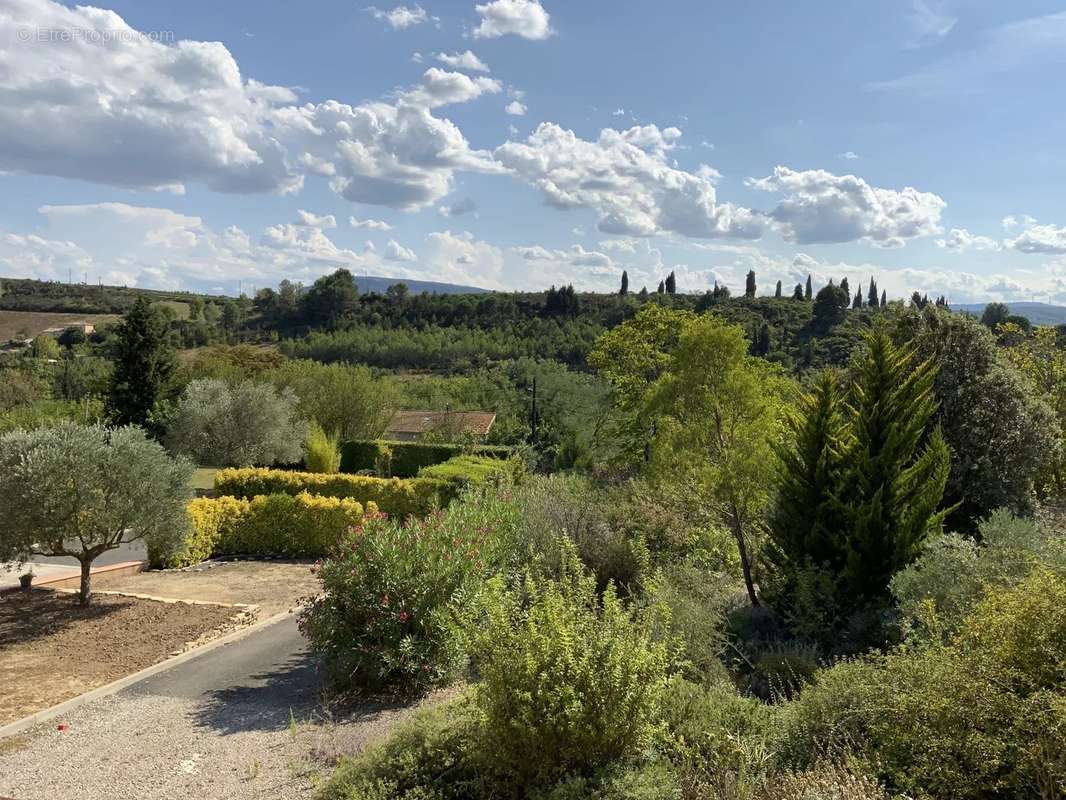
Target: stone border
{"x": 114, "y": 687}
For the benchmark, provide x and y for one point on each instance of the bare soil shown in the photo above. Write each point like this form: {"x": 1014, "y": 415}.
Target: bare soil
{"x": 52, "y": 649}
{"x": 274, "y": 586}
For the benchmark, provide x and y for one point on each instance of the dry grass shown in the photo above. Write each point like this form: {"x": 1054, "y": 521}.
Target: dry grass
{"x": 33, "y": 322}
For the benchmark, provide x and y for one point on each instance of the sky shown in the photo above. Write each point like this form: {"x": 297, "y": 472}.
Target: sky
{"x": 513, "y": 144}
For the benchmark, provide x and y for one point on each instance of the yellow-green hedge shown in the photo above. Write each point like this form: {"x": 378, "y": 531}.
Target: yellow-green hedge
{"x": 275, "y": 524}
{"x": 393, "y": 496}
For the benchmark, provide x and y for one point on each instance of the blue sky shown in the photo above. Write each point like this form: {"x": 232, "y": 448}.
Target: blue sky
{"x": 514, "y": 144}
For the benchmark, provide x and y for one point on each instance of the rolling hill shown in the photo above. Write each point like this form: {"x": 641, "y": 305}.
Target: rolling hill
{"x": 1036, "y": 313}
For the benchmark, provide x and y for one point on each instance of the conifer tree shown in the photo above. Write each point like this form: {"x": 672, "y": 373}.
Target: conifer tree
{"x": 625, "y": 284}
{"x": 857, "y": 302}
{"x": 777, "y": 291}
{"x": 749, "y": 284}
{"x": 144, "y": 365}
{"x": 897, "y": 467}
{"x": 871, "y": 297}
{"x": 797, "y": 293}
{"x": 662, "y": 287}
{"x": 884, "y": 298}
{"x": 846, "y": 286}
{"x": 808, "y": 292}
{"x": 671, "y": 283}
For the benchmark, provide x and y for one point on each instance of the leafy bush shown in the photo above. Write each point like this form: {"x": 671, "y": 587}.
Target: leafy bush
{"x": 826, "y": 781}
{"x": 570, "y": 681}
{"x": 392, "y": 594}
{"x": 697, "y": 602}
{"x": 980, "y": 717}
{"x": 322, "y": 451}
{"x": 49, "y": 413}
{"x": 463, "y": 471}
{"x": 433, "y": 756}
{"x": 716, "y": 738}
{"x": 405, "y": 459}
{"x": 236, "y": 426}
{"x": 392, "y": 496}
{"x": 276, "y": 524}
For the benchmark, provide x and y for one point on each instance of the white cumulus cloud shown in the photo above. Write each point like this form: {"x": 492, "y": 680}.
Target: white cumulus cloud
{"x": 516, "y": 109}
{"x": 959, "y": 240}
{"x": 369, "y": 224}
{"x": 525, "y": 18}
{"x": 1048, "y": 239}
{"x": 394, "y": 251}
{"x": 466, "y": 60}
{"x": 315, "y": 220}
{"x": 400, "y": 17}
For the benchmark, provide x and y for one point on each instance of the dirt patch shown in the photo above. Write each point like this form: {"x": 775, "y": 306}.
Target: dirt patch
{"x": 52, "y": 649}
{"x": 274, "y": 586}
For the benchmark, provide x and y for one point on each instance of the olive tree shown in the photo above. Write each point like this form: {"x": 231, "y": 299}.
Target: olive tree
{"x": 242, "y": 425}
{"x": 81, "y": 490}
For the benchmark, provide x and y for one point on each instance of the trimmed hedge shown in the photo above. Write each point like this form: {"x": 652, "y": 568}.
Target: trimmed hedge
{"x": 468, "y": 469}
{"x": 405, "y": 459}
{"x": 274, "y": 524}
{"x": 392, "y": 496}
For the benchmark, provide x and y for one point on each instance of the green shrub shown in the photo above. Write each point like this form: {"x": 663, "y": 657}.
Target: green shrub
{"x": 322, "y": 451}
{"x": 697, "y": 601}
{"x": 466, "y": 470}
{"x": 716, "y": 738}
{"x": 405, "y": 459}
{"x": 278, "y": 524}
{"x": 433, "y": 756}
{"x": 979, "y": 717}
{"x": 570, "y": 681}
{"x": 826, "y": 781}
{"x": 392, "y": 496}
{"x": 656, "y": 780}
{"x": 393, "y": 592}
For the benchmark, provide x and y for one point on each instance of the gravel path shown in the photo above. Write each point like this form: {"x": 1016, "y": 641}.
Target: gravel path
{"x": 243, "y": 721}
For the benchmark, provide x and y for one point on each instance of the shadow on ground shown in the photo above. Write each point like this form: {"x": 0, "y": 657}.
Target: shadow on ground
{"x": 39, "y": 613}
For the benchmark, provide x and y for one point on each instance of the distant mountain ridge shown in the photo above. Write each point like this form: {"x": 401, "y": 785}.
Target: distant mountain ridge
{"x": 374, "y": 283}
{"x": 1036, "y": 313}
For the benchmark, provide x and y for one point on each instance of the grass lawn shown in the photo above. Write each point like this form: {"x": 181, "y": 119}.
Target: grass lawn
{"x": 203, "y": 478}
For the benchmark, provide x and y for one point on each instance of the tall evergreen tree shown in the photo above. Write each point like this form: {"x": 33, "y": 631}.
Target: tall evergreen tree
{"x": 662, "y": 287}
{"x": 625, "y": 284}
{"x": 749, "y": 284}
{"x": 857, "y": 302}
{"x": 884, "y": 298}
{"x": 897, "y": 467}
{"x": 144, "y": 365}
{"x": 808, "y": 292}
{"x": 777, "y": 291}
{"x": 871, "y": 297}
{"x": 797, "y": 293}
{"x": 845, "y": 285}
{"x": 671, "y": 283}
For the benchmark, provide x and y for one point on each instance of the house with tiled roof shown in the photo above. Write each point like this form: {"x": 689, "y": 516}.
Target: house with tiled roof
{"x": 409, "y": 426}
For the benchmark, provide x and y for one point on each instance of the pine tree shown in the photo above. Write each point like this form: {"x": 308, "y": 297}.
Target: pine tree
{"x": 897, "y": 467}
{"x": 797, "y": 293}
{"x": 871, "y": 297}
{"x": 884, "y": 298}
{"x": 808, "y": 292}
{"x": 857, "y": 302}
{"x": 625, "y": 284}
{"x": 777, "y": 291}
{"x": 671, "y": 283}
{"x": 144, "y": 365}
{"x": 749, "y": 284}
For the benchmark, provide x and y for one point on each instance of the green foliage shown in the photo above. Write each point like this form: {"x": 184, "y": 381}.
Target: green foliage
{"x": 830, "y": 306}
{"x": 825, "y": 781}
{"x": 48, "y": 413}
{"x": 276, "y": 524}
{"x": 407, "y": 459}
{"x": 347, "y": 401}
{"x": 392, "y": 595}
{"x": 980, "y": 717}
{"x": 251, "y": 423}
{"x": 81, "y": 490}
{"x": 400, "y": 498}
{"x": 144, "y": 365}
{"x": 468, "y": 470}
{"x": 571, "y": 680}
{"x": 322, "y": 451}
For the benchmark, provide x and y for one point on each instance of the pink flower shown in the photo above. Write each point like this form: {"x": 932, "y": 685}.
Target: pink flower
{"x": 385, "y": 600}
{"x": 403, "y": 616}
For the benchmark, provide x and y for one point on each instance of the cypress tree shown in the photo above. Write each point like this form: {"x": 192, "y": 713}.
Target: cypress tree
{"x": 871, "y": 297}
{"x": 808, "y": 292}
{"x": 857, "y": 302}
{"x": 884, "y": 298}
{"x": 897, "y": 468}
{"x": 749, "y": 284}
{"x": 625, "y": 284}
{"x": 671, "y": 283}
{"x": 777, "y": 291}
{"x": 846, "y": 286}
{"x": 797, "y": 293}
{"x": 807, "y": 517}
{"x": 144, "y": 365}
{"x": 662, "y": 287}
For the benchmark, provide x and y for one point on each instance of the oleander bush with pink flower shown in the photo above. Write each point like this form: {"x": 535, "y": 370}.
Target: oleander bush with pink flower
{"x": 394, "y": 591}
